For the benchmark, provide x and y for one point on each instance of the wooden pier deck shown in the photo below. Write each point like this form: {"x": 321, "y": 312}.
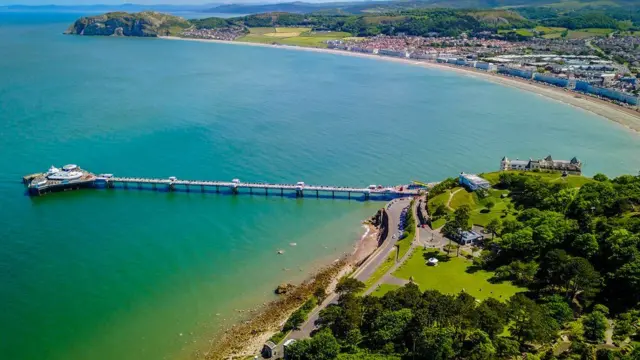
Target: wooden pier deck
{"x": 300, "y": 189}
{"x": 40, "y": 183}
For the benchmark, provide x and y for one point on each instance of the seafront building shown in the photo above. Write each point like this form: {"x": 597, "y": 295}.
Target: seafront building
{"x": 573, "y": 166}
{"x": 473, "y": 182}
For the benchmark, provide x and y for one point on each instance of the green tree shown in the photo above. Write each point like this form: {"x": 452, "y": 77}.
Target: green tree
{"x": 558, "y": 308}
{"x": 389, "y": 328}
{"x": 624, "y": 326}
{"x": 489, "y": 205}
{"x": 494, "y": 226}
{"x": 478, "y": 346}
{"x": 348, "y": 285}
{"x": 322, "y": 346}
{"x": 435, "y": 343}
{"x": 529, "y": 322}
{"x": 506, "y": 348}
{"x": 490, "y": 317}
{"x": 595, "y": 325}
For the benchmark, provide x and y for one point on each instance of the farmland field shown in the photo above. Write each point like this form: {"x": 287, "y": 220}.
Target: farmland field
{"x": 292, "y": 36}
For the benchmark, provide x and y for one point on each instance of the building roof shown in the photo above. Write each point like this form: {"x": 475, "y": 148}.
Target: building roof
{"x": 474, "y": 178}
{"x": 520, "y": 162}
{"x": 470, "y": 235}
{"x": 270, "y": 345}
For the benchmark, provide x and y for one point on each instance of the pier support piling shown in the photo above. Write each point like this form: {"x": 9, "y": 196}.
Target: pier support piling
{"x": 281, "y": 192}
{"x": 234, "y": 190}
{"x": 201, "y": 188}
{"x": 266, "y": 191}
{"x": 217, "y": 188}
{"x": 317, "y": 194}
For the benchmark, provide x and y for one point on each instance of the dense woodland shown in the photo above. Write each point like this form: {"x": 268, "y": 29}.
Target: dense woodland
{"x": 576, "y": 250}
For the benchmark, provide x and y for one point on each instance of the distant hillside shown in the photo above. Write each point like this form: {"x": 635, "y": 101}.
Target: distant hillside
{"x": 385, "y": 6}
{"x": 142, "y": 24}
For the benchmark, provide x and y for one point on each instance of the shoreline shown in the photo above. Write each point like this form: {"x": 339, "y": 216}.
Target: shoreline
{"x": 246, "y": 337}
{"x": 618, "y": 114}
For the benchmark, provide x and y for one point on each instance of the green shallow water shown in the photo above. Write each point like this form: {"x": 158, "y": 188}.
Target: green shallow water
{"x": 121, "y": 274}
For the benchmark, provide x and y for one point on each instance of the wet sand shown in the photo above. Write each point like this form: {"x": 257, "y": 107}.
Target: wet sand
{"x": 626, "y": 117}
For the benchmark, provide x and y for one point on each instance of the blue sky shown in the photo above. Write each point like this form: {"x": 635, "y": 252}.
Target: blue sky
{"x": 145, "y": 2}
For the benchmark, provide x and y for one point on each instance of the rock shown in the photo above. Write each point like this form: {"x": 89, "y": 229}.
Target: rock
{"x": 143, "y": 24}
{"x": 283, "y": 288}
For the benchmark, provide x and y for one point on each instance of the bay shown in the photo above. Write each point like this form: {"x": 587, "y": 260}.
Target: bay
{"x": 149, "y": 275}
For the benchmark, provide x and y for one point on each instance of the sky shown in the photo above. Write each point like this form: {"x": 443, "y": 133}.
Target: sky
{"x": 142, "y": 2}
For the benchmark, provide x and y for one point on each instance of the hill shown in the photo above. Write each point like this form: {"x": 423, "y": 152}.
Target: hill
{"x": 142, "y": 24}
{"x": 385, "y": 6}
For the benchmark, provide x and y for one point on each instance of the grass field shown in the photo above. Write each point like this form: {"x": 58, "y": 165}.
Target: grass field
{"x": 381, "y": 270}
{"x": 480, "y": 215}
{"x": 383, "y": 289}
{"x": 550, "y": 32}
{"x": 572, "y": 180}
{"x": 291, "y": 36}
{"x": 450, "y": 276}
{"x": 587, "y": 33}
{"x": 521, "y": 32}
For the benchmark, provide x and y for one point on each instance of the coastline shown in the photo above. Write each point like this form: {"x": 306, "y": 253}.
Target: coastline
{"x": 246, "y": 338}
{"x": 625, "y": 117}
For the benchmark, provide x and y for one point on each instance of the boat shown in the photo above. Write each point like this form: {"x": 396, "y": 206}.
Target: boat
{"x": 106, "y": 176}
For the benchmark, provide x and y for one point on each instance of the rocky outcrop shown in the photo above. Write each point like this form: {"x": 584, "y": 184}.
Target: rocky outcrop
{"x": 142, "y": 24}
{"x": 283, "y": 289}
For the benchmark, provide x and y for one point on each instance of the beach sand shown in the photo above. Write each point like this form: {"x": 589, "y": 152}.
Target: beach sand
{"x": 626, "y": 117}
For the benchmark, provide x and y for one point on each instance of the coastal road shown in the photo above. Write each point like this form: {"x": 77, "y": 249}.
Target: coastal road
{"x": 394, "y": 210}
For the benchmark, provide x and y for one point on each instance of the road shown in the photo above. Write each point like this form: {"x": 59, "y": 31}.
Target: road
{"x": 394, "y": 210}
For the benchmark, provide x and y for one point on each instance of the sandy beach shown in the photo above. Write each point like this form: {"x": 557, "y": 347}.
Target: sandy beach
{"x": 626, "y": 117}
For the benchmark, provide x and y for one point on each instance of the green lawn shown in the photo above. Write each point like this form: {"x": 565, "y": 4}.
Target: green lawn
{"x": 438, "y": 223}
{"x": 521, "y": 32}
{"x": 381, "y": 270}
{"x": 451, "y": 277}
{"x": 383, "y": 289}
{"x": 291, "y": 36}
{"x": 573, "y": 180}
{"x": 462, "y": 197}
{"x": 587, "y": 33}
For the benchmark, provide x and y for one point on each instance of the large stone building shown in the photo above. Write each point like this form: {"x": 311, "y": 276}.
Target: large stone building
{"x": 573, "y": 166}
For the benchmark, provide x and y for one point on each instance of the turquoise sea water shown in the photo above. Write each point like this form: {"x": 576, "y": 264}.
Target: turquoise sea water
{"x": 143, "y": 275}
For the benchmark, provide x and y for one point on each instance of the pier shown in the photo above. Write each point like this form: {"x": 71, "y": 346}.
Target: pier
{"x": 39, "y": 184}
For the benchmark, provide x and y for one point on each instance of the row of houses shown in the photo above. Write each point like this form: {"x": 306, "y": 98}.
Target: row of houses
{"x": 577, "y": 85}
{"x": 482, "y": 65}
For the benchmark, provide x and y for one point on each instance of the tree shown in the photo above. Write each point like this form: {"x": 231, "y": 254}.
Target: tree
{"x": 585, "y": 245}
{"x": 529, "y": 322}
{"x": 459, "y": 222}
{"x": 489, "y": 205}
{"x": 595, "y": 325}
{"x": 600, "y": 177}
{"x": 490, "y": 317}
{"x": 295, "y": 320}
{"x": 624, "y": 326}
{"x": 435, "y": 343}
{"x": 348, "y": 285}
{"x": 389, "y": 328}
{"x": 478, "y": 346}
{"x": 322, "y": 346}
{"x": 506, "y": 348}
{"x": 494, "y": 226}
{"x": 558, "y": 308}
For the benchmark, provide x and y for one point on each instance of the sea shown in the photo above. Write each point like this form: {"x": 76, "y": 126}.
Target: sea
{"x": 140, "y": 274}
